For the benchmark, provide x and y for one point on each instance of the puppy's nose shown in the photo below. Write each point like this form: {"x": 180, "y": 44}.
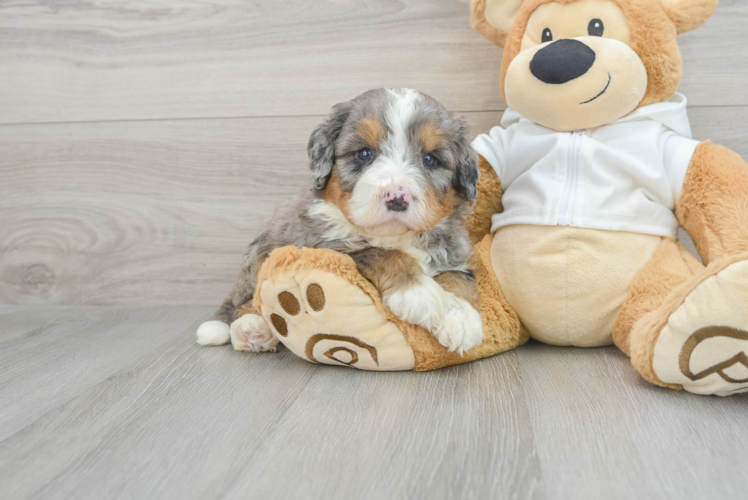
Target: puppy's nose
{"x": 397, "y": 198}
{"x": 562, "y": 61}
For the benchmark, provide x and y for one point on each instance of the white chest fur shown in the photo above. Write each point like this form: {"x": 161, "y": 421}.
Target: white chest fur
{"x": 339, "y": 229}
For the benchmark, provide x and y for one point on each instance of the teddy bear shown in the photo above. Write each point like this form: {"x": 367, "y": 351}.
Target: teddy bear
{"x": 583, "y": 188}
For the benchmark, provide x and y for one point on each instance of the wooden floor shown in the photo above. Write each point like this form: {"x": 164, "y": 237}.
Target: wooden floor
{"x": 143, "y": 144}
{"x": 118, "y": 402}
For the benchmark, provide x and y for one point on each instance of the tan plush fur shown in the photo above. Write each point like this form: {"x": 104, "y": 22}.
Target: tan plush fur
{"x": 670, "y": 266}
{"x": 502, "y": 329}
{"x": 688, "y": 15}
{"x": 487, "y": 204}
{"x": 644, "y": 334}
{"x": 713, "y": 206}
{"x": 653, "y": 38}
{"x": 479, "y": 23}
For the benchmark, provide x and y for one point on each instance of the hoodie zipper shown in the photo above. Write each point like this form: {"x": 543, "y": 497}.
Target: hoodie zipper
{"x": 573, "y": 159}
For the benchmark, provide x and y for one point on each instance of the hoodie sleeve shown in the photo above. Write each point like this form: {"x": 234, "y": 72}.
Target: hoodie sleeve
{"x": 677, "y": 152}
{"x": 494, "y": 148}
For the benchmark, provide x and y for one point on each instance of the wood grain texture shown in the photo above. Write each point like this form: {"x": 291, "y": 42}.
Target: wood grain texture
{"x": 49, "y": 355}
{"x": 80, "y": 60}
{"x": 160, "y": 212}
{"x": 607, "y": 433}
{"x": 170, "y": 419}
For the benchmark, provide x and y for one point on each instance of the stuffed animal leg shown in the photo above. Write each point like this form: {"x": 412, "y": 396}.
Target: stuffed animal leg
{"x": 324, "y": 311}
{"x": 685, "y": 324}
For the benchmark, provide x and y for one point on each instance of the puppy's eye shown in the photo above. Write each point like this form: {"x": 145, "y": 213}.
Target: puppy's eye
{"x": 365, "y": 154}
{"x": 547, "y": 35}
{"x": 429, "y": 161}
{"x": 596, "y": 28}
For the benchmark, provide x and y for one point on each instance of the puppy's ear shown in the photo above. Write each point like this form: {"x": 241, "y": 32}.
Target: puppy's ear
{"x": 467, "y": 173}
{"x": 321, "y": 148}
{"x": 688, "y": 15}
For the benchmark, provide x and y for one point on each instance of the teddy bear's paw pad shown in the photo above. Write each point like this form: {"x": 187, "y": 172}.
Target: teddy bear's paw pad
{"x": 323, "y": 318}
{"x": 251, "y": 333}
{"x": 704, "y": 346}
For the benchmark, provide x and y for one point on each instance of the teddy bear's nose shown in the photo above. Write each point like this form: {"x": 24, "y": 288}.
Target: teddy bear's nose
{"x": 562, "y": 61}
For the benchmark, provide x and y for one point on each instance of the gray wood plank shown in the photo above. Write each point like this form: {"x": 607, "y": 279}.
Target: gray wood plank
{"x": 160, "y": 212}
{"x": 188, "y": 422}
{"x": 178, "y": 421}
{"x": 49, "y": 355}
{"x": 601, "y": 431}
{"x": 460, "y": 432}
{"x": 79, "y": 61}
{"x": 184, "y": 421}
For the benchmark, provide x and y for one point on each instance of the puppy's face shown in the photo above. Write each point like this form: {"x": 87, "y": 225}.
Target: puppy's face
{"x": 394, "y": 162}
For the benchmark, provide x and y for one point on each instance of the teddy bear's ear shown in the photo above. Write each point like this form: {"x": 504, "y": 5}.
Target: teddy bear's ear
{"x": 494, "y": 18}
{"x": 689, "y": 14}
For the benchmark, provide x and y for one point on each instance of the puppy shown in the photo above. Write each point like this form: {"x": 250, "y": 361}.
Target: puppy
{"x": 392, "y": 175}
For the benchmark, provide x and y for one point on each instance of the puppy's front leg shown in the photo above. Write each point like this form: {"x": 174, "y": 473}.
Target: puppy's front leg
{"x": 416, "y": 298}
{"x": 462, "y": 325}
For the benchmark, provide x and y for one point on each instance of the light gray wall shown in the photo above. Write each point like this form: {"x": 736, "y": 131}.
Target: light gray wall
{"x": 142, "y": 146}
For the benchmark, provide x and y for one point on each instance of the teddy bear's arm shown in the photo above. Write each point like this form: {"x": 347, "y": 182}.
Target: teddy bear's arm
{"x": 487, "y": 203}
{"x": 713, "y": 206}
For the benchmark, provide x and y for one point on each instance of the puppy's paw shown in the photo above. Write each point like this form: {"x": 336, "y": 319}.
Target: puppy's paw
{"x": 251, "y": 333}
{"x": 462, "y": 327}
{"x": 213, "y": 333}
{"x": 422, "y": 304}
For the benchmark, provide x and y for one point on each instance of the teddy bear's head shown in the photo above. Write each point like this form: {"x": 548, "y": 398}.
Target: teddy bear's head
{"x": 576, "y": 64}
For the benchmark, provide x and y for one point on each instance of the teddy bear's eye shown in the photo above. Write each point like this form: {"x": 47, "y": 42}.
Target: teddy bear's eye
{"x": 596, "y": 28}
{"x": 547, "y": 35}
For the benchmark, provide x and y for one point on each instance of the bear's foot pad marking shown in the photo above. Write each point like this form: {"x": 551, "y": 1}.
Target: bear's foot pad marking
{"x": 325, "y": 319}
{"x": 704, "y": 346}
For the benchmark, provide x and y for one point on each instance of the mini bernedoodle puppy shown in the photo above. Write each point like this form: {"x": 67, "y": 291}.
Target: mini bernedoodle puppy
{"x": 393, "y": 173}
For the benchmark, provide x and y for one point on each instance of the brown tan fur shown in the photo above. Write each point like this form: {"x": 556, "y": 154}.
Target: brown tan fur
{"x": 460, "y": 285}
{"x": 502, "y": 329}
{"x": 431, "y": 137}
{"x": 335, "y": 195}
{"x": 439, "y": 208}
{"x": 671, "y": 265}
{"x": 370, "y": 130}
{"x": 713, "y": 205}
{"x": 688, "y": 15}
{"x": 653, "y": 38}
{"x": 247, "y": 308}
{"x": 479, "y": 24}
{"x": 387, "y": 269}
{"x": 487, "y": 204}
{"x": 644, "y": 334}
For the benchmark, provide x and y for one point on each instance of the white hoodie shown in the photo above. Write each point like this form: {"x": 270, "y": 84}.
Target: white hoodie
{"x": 625, "y": 176}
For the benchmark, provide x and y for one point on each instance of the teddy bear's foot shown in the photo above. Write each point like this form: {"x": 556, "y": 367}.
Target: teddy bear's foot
{"x": 703, "y": 347}
{"x": 323, "y": 318}
{"x": 320, "y": 307}
{"x": 251, "y": 333}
